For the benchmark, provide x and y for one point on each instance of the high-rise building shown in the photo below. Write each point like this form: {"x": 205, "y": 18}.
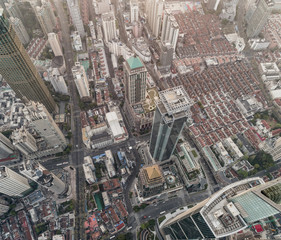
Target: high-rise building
{"x": 259, "y": 17}
{"x": 18, "y": 70}
{"x": 228, "y": 211}
{"x": 13, "y": 9}
{"x": 171, "y": 114}
{"x": 154, "y": 11}
{"x": 85, "y": 11}
{"x": 134, "y": 11}
{"x": 73, "y": 6}
{"x": 38, "y": 173}
{"x": 109, "y": 26}
{"x": 42, "y": 122}
{"x": 170, "y": 29}
{"x": 213, "y": 4}
{"x": 20, "y": 30}
{"x": 46, "y": 17}
{"x": 11, "y": 183}
{"x": 24, "y": 141}
{"x": 59, "y": 84}
{"x": 166, "y": 54}
{"x": 81, "y": 80}
{"x": 6, "y": 147}
{"x": 55, "y": 44}
{"x": 135, "y": 80}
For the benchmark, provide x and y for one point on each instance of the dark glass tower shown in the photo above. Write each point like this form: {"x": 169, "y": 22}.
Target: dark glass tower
{"x": 18, "y": 70}
{"x": 170, "y": 117}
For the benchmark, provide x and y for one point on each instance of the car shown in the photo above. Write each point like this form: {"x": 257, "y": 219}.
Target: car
{"x": 144, "y": 217}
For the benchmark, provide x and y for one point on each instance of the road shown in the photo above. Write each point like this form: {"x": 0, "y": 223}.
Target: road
{"x": 77, "y": 154}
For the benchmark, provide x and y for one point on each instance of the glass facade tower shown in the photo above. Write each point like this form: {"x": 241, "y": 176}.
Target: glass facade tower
{"x": 170, "y": 116}
{"x": 18, "y": 70}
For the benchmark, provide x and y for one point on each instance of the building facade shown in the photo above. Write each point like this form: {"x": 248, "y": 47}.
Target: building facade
{"x": 81, "y": 80}
{"x": 6, "y": 147}
{"x": 170, "y": 117}
{"x": 20, "y": 30}
{"x": 154, "y": 10}
{"x": 11, "y": 183}
{"x": 73, "y": 6}
{"x": 135, "y": 80}
{"x": 170, "y": 29}
{"x": 55, "y": 44}
{"x": 109, "y": 26}
{"x": 134, "y": 11}
{"x": 18, "y": 70}
{"x": 259, "y": 17}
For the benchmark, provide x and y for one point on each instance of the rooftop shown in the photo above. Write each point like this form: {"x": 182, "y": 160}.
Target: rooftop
{"x": 153, "y": 172}
{"x": 134, "y": 62}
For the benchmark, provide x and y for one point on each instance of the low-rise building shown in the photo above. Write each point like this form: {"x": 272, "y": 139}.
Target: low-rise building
{"x": 269, "y": 71}
{"x": 76, "y": 42}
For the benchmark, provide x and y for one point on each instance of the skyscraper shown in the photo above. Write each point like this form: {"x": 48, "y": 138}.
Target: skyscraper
{"x": 74, "y": 10}
{"x": 170, "y": 116}
{"x": 170, "y": 29}
{"x": 154, "y": 10}
{"x": 17, "y": 68}
{"x": 109, "y": 26}
{"x": 55, "y": 43}
{"x": 6, "y": 147}
{"x": 228, "y": 211}
{"x": 258, "y": 18}
{"x": 135, "y": 80}
{"x": 43, "y": 123}
{"x": 46, "y": 17}
{"x": 213, "y": 4}
{"x": 13, "y": 9}
{"x": 20, "y": 30}
{"x": 81, "y": 80}
{"x": 134, "y": 11}
{"x": 11, "y": 183}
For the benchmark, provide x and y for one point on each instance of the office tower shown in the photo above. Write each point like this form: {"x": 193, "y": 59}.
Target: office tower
{"x": 11, "y": 183}
{"x": 134, "y": 11}
{"x": 171, "y": 114}
{"x": 46, "y": 17}
{"x": 6, "y": 147}
{"x": 20, "y": 30}
{"x": 213, "y": 5}
{"x": 42, "y": 122}
{"x": 24, "y": 141}
{"x": 13, "y": 9}
{"x": 109, "y": 26}
{"x": 74, "y": 10}
{"x": 81, "y": 80}
{"x": 228, "y": 211}
{"x": 170, "y": 29}
{"x": 166, "y": 54}
{"x": 18, "y": 70}
{"x": 259, "y": 17}
{"x": 135, "y": 80}
{"x": 2, "y": 3}
{"x": 38, "y": 173}
{"x": 55, "y": 44}
{"x": 154, "y": 10}
{"x": 4, "y": 206}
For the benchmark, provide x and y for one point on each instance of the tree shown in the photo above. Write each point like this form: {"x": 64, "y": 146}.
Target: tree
{"x": 242, "y": 173}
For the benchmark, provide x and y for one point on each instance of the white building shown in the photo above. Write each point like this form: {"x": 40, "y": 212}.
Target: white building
{"x": 20, "y": 30}
{"x": 73, "y": 6}
{"x": 6, "y": 147}
{"x": 24, "y": 141}
{"x": 105, "y": 199}
{"x": 88, "y": 168}
{"x": 134, "y": 11}
{"x": 269, "y": 71}
{"x": 46, "y": 17}
{"x": 113, "y": 122}
{"x": 109, "y": 26}
{"x": 228, "y": 142}
{"x": 11, "y": 183}
{"x": 55, "y": 44}
{"x": 103, "y": 6}
{"x": 42, "y": 122}
{"x": 4, "y": 206}
{"x": 141, "y": 48}
{"x": 170, "y": 29}
{"x": 154, "y": 10}
{"x": 109, "y": 160}
{"x": 258, "y": 44}
{"x": 58, "y": 82}
{"x": 76, "y": 42}
{"x": 213, "y": 4}
{"x": 81, "y": 80}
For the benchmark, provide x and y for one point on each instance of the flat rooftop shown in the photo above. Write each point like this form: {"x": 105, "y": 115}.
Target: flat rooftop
{"x": 175, "y": 100}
